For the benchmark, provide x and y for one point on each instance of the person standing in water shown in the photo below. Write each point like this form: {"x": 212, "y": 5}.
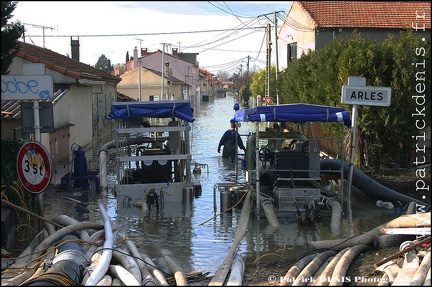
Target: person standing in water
{"x": 228, "y": 140}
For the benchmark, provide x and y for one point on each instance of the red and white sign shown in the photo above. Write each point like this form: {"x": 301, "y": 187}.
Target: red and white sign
{"x": 268, "y": 100}
{"x": 34, "y": 167}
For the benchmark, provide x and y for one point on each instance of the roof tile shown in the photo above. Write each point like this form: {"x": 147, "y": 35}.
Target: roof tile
{"x": 63, "y": 64}
{"x": 368, "y": 14}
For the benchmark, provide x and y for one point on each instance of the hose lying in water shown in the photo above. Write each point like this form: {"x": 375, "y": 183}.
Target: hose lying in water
{"x": 128, "y": 262}
{"x": 312, "y": 267}
{"x": 237, "y": 271}
{"x": 321, "y": 269}
{"x": 267, "y": 206}
{"x": 408, "y": 220}
{"x": 145, "y": 273}
{"x": 117, "y": 282}
{"x": 420, "y": 275}
{"x": 66, "y": 221}
{"x": 411, "y": 209}
{"x": 49, "y": 242}
{"x": 94, "y": 261}
{"x": 67, "y": 266}
{"x": 95, "y": 239}
{"x": 295, "y": 270}
{"x": 105, "y": 259}
{"x": 343, "y": 264}
{"x": 175, "y": 269}
{"x": 105, "y": 281}
{"x": 125, "y": 276}
{"x": 336, "y": 216}
{"x": 49, "y": 228}
{"x": 369, "y": 186}
{"x": 220, "y": 274}
{"x": 390, "y": 269}
{"x": 157, "y": 274}
{"x": 322, "y": 279}
{"x": 427, "y": 281}
{"x": 90, "y": 249}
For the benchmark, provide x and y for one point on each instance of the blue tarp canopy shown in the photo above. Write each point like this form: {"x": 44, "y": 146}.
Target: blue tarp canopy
{"x": 157, "y": 109}
{"x": 293, "y": 113}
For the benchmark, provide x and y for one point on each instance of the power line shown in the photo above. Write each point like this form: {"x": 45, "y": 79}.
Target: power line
{"x": 231, "y": 13}
{"x": 204, "y": 43}
{"x": 149, "y": 34}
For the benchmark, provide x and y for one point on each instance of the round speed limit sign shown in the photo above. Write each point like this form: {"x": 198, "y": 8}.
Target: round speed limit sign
{"x": 34, "y": 167}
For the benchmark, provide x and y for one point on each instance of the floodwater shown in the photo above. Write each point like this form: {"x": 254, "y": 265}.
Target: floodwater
{"x": 200, "y": 240}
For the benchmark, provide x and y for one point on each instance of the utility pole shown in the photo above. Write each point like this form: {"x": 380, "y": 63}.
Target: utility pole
{"x": 139, "y": 72}
{"x": 43, "y": 31}
{"x": 276, "y": 49}
{"x": 267, "y": 90}
{"x": 277, "y": 58}
{"x": 163, "y": 70}
{"x": 247, "y": 70}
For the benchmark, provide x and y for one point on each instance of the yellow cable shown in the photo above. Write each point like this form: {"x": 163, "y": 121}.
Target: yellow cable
{"x": 226, "y": 210}
{"x": 265, "y": 255}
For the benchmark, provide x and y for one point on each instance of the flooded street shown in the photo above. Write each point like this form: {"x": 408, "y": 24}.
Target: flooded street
{"x": 200, "y": 240}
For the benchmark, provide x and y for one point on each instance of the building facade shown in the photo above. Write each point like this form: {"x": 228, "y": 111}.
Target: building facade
{"x": 311, "y": 25}
{"x": 81, "y": 102}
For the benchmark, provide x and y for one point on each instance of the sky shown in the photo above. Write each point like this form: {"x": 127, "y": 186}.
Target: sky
{"x": 227, "y": 35}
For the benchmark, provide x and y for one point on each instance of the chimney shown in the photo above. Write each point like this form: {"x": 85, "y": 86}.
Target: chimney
{"x": 75, "y": 49}
{"x": 174, "y": 51}
{"x": 117, "y": 70}
{"x": 166, "y": 70}
{"x": 143, "y": 52}
{"x": 135, "y": 55}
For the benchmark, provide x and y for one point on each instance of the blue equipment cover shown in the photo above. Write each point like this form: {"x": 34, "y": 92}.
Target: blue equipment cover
{"x": 293, "y": 113}
{"x": 152, "y": 109}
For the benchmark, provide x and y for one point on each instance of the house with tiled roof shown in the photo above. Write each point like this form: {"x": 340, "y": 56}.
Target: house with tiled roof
{"x": 206, "y": 85}
{"x": 311, "y": 25}
{"x": 149, "y": 82}
{"x": 82, "y": 97}
{"x": 176, "y": 65}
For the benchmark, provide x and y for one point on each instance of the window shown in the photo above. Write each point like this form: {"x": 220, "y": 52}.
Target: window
{"x": 154, "y": 98}
{"x": 292, "y": 51}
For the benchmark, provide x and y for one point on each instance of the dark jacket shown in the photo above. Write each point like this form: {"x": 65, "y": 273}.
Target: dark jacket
{"x": 228, "y": 142}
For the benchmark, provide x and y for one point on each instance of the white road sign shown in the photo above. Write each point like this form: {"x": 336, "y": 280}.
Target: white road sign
{"x": 366, "y": 95}
{"x": 34, "y": 167}
{"x": 27, "y": 87}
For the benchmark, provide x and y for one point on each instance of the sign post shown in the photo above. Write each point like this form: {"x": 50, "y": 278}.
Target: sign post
{"x": 34, "y": 84}
{"x": 357, "y": 93}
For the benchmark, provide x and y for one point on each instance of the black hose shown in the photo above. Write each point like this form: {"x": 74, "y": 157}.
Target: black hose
{"x": 369, "y": 186}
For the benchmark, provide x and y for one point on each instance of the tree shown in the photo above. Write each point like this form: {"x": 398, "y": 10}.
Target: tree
{"x": 385, "y": 135}
{"x": 246, "y": 93}
{"x": 104, "y": 64}
{"x": 223, "y": 75}
{"x": 10, "y": 33}
{"x": 259, "y": 82}
{"x": 127, "y": 56}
